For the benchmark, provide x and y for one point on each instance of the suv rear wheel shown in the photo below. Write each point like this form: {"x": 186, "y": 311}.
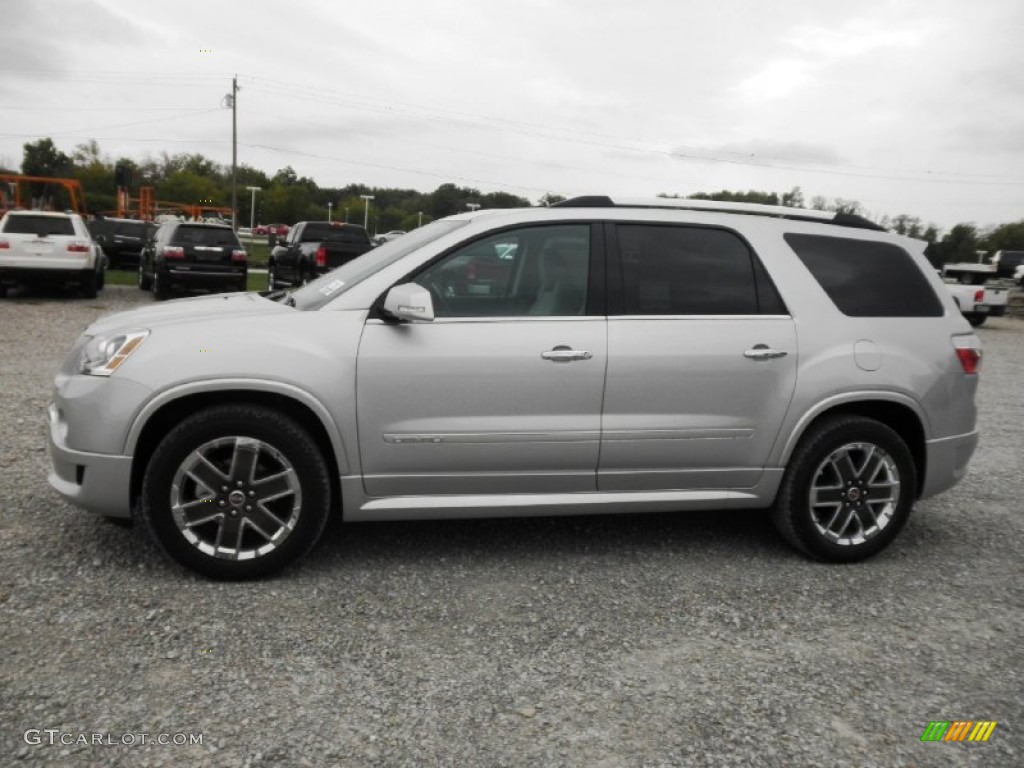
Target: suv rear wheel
{"x": 161, "y": 289}
{"x": 848, "y": 490}
{"x": 236, "y": 491}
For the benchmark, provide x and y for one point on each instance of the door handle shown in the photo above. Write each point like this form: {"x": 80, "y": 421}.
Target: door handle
{"x": 564, "y": 354}
{"x": 763, "y": 352}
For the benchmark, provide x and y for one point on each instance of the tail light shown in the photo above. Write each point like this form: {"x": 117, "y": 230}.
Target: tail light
{"x": 979, "y": 297}
{"x": 174, "y": 252}
{"x": 238, "y": 255}
{"x": 968, "y": 350}
{"x": 4, "y": 245}
{"x": 78, "y": 247}
{"x": 321, "y": 256}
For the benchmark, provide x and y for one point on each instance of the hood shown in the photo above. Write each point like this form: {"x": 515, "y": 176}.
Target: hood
{"x": 200, "y": 309}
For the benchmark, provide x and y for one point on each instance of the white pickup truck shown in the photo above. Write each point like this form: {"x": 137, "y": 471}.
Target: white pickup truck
{"x": 1002, "y": 266}
{"x": 978, "y": 303}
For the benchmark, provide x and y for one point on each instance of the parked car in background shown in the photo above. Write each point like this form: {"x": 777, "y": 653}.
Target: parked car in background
{"x": 387, "y": 237}
{"x": 1002, "y": 266}
{"x": 978, "y": 303}
{"x": 312, "y": 248}
{"x": 623, "y": 356}
{"x": 122, "y": 240}
{"x": 42, "y": 248}
{"x": 278, "y": 230}
{"x": 192, "y": 255}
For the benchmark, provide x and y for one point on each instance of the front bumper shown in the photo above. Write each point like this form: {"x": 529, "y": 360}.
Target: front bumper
{"x": 96, "y": 482}
{"x": 946, "y": 462}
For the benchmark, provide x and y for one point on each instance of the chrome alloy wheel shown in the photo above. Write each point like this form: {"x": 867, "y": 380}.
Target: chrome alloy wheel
{"x": 854, "y": 494}
{"x": 236, "y": 498}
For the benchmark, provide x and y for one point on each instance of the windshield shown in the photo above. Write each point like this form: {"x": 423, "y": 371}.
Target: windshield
{"x": 334, "y": 283}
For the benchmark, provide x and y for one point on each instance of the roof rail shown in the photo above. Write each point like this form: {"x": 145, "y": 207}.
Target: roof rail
{"x": 686, "y": 204}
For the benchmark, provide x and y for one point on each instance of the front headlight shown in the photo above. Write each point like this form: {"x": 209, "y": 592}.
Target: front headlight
{"x": 103, "y": 354}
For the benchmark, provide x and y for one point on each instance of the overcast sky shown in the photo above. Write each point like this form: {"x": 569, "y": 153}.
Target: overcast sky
{"x": 906, "y": 106}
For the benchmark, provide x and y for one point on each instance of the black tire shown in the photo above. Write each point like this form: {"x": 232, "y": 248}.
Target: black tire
{"x": 161, "y": 289}
{"x": 102, "y": 279}
{"x": 91, "y": 286}
{"x": 236, "y": 441}
{"x": 976, "y": 319}
{"x": 3, "y": 291}
{"x": 823, "y": 485}
{"x": 145, "y": 283}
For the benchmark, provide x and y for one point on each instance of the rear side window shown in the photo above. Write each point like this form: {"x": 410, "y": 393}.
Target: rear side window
{"x": 187, "y": 235}
{"x": 27, "y": 224}
{"x": 670, "y": 270}
{"x": 335, "y": 234}
{"x": 867, "y": 278}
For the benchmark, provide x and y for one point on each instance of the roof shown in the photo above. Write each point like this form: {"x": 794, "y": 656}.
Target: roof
{"x": 686, "y": 204}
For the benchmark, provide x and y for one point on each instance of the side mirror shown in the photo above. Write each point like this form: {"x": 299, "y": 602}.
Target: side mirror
{"x": 409, "y": 302}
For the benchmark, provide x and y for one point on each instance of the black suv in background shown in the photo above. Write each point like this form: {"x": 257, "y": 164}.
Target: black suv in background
{"x": 187, "y": 255}
{"x": 122, "y": 240}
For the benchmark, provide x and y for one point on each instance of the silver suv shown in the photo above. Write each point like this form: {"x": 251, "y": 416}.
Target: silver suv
{"x": 594, "y": 356}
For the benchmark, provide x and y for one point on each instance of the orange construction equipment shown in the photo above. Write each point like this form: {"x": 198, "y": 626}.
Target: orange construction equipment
{"x": 11, "y": 194}
{"x": 147, "y": 207}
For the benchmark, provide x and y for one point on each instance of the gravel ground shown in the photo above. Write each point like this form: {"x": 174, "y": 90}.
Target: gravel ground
{"x": 657, "y": 640}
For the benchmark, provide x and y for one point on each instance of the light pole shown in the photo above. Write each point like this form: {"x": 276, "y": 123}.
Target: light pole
{"x": 346, "y": 214}
{"x": 252, "y": 210}
{"x": 420, "y": 224}
{"x": 366, "y": 210}
{"x": 329, "y": 206}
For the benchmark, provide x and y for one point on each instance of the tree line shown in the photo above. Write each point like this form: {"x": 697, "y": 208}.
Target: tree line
{"x": 287, "y": 197}
{"x": 962, "y": 243}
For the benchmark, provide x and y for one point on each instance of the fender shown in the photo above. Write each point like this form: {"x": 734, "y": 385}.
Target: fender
{"x": 290, "y": 391}
{"x": 841, "y": 398}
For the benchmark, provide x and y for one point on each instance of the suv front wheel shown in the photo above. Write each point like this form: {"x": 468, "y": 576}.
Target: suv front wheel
{"x": 848, "y": 490}
{"x": 236, "y": 492}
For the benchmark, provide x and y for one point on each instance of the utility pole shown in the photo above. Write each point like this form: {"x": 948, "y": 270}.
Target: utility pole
{"x": 233, "y": 99}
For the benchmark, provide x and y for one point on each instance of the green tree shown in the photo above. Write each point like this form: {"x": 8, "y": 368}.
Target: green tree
{"x": 190, "y": 188}
{"x": 1006, "y": 237}
{"x": 961, "y": 243}
{"x": 42, "y": 158}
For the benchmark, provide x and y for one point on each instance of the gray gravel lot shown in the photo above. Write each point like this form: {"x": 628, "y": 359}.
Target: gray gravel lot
{"x": 659, "y": 640}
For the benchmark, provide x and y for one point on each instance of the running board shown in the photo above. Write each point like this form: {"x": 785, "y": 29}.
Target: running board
{"x": 543, "y": 504}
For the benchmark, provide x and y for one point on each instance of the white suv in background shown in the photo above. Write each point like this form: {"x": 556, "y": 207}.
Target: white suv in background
{"x": 53, "y": 249}
{"x": 593, "y": 356}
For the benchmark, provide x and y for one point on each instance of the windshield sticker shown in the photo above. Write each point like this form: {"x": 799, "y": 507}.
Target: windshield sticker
{"x": 332, "y": 287}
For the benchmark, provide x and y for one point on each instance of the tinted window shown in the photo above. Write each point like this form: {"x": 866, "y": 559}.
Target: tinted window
{"x": 27, "y": 224}
{"x": 199, "y": 235}
{"x": 540, "y": 271}
{"x": 131, "y": 229}
{"x": 867, "y": 278}
{"x": 337, "y": 233}
{"x": 669, "y": 270}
